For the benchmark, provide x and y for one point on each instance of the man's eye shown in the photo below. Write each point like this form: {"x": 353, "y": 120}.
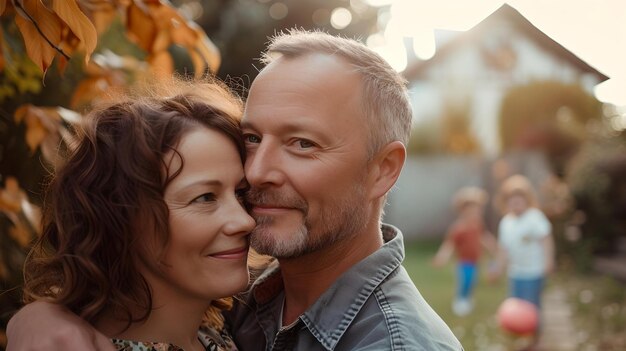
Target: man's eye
{"x": 204, "y": 198}
{"x": 305, "y": 144}
{"x": 251, "y": 138}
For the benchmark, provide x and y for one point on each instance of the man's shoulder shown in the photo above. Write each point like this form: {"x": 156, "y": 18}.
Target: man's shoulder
{"x": 397, "y": 312}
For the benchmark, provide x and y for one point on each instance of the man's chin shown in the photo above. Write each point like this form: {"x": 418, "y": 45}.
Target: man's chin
{"x": 280, "y": 242}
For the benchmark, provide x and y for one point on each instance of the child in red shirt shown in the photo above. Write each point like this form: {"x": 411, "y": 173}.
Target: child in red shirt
{"x": 465, "y": 237}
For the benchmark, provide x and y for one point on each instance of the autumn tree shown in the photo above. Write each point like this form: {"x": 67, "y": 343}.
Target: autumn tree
{"x": 57, "y": 57}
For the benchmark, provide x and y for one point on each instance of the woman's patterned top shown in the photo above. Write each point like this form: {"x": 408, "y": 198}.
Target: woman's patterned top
{"x": 211, "y": 339}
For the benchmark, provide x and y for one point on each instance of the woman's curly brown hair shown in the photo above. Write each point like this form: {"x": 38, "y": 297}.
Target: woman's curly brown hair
{"x": 109, "y": 192}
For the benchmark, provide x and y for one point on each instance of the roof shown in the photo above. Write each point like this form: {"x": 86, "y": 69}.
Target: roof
{"x": 511, "y": 15}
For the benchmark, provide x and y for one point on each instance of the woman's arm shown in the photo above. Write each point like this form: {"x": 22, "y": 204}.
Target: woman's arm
{"x": 47, "y": 326}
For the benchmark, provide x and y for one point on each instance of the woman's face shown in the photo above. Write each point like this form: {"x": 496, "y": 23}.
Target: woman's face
{"x": 206, "y": 256}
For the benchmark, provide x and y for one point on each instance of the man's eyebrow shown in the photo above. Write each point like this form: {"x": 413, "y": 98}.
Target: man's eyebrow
{"x": 294, "y": 124}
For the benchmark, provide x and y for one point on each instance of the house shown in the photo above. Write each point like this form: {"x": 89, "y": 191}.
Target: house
{"x": 473, "y": 70}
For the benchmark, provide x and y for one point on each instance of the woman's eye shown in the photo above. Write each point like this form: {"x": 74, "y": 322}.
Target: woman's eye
{"x": 208, "y": 197}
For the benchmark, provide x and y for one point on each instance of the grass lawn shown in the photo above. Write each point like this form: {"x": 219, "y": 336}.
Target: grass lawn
{"x": 476, "y": 331}
{"x": 598, "y": 304}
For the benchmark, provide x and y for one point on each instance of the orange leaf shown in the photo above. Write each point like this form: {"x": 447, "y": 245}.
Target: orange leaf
{"x": 87, "y": 90}
{"x": 11, "y": 196}
{"x": 140, "y": 26}
{"x": 20, "y": 234}
{"x": 161, "y": 42}
{"x": 39, "y": 46}
{"x": 3, "y": 6}
{"x": 103, "y": 16}
{"x": 198, "y": 64}
{"x": 40, "y": 123}
{"x": 69, "y": 41}
{"x": 48, "y": 116}
{"x": 80, "y": 25}
{"x": 182, "y": 34}
{"x": 25, "y": 217}
{"x": 35, "y": 134}
{"x": 162, "y": 64}
{"x": 62, "y": 63}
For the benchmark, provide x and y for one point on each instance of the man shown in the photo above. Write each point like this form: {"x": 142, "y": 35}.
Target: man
{"x": 325, "y": 126}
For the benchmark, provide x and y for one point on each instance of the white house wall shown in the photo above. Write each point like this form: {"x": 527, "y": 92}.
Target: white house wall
{"x": 463, "y": 75}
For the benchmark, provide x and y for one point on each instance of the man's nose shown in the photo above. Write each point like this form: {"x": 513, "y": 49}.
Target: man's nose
{"x": 263, "y": 165}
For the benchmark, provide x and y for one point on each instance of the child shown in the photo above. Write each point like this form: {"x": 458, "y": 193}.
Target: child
{"x": 525, "y": 243}
{"x": 465, "y": 237}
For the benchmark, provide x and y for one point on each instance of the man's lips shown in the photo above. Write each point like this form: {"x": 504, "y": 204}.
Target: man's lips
{"x": 236, "y": 253}
{"x": 272, "y": 209}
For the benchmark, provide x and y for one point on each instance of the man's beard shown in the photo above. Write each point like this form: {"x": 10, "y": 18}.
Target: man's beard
{"x": 342, "y": 220}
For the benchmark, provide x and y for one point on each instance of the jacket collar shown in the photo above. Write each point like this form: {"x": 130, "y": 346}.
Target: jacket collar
{"x": 333, "y": 312}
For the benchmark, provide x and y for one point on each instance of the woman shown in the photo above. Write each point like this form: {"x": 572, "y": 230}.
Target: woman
{"x": 144, "y": 225}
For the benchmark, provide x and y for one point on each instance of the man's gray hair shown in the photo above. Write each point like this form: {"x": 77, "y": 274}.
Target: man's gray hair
{"x": 384, "y": 94}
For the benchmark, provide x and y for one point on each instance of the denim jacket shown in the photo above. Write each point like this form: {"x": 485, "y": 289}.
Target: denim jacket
{"x": 372, "y": 306}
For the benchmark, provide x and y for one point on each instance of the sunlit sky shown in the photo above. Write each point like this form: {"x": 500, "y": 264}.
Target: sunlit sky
{"x": 594, "y": 30}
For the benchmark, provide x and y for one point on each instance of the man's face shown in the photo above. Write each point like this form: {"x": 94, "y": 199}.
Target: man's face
{"x": 307, "y": 155}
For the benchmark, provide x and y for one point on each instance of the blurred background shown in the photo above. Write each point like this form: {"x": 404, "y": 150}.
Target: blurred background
{"x": 524, "y": 87}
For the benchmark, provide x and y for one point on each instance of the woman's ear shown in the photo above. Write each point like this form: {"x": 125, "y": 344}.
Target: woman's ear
{"x": 385, "y": 168}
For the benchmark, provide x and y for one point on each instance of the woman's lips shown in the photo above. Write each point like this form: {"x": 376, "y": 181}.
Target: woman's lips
{"x": 231, "y": 254}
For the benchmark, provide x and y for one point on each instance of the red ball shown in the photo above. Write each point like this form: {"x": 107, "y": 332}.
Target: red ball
{"x": 518, "y": 316}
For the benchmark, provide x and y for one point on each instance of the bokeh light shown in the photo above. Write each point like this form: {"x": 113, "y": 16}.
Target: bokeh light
{"x": 279, "y": 11}
{"x": 340, "y": 18}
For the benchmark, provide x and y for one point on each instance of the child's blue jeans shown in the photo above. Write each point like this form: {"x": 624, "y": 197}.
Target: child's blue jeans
{"x": 527, "y": 289}
{"x": 466, "y": 272}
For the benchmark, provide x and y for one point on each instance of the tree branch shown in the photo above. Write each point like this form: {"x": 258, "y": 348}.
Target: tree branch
{"x": 19, "y": 5}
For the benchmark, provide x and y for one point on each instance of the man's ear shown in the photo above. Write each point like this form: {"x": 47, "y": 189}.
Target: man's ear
{"x": 385, "y": 168}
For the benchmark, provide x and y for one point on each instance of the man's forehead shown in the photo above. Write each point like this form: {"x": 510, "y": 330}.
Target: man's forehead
{"x": 299, "y": 87}
{"x": 310, "y": 64}
{"x": 296, "y": 123}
